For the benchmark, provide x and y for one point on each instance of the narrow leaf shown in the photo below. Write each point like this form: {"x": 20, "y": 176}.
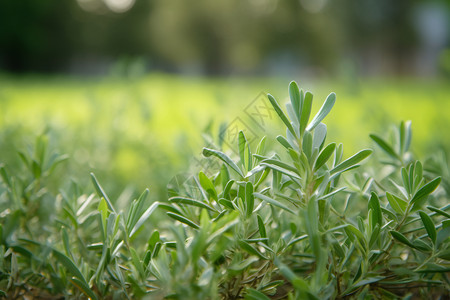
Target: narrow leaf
{"x": 320, "y": 134}
{"x": 324, "y": 155}
{"x": 250, "y": 249}
{"x": 349, "y": 162}
{"x": 183, "y": 220}
{"x": 439, "y": 211}
{"x": 397, "y": 204}
{"x": 222, "y": 156}
{"x": 207, "y": 185}
{"x": 323, "y": 112}
{"x": 83, "y": 287}
{"x": 383, "y": 145}
{"x": 261, "y": 227}
{"x": 253, "y": 294}
{"x": 281, "y": 114}
{"x": 294, "y": 94}
{"x": 249, "y": 199}
{"x": 426, "y": 190}
{"x": 401, "y": 238}
{"x": 69, "y": 265}
{"x": 244, "y": 152}
{"x": 281, "y": 170}
{"x": 192, "y": 202}
{"x": 143, "y": 218}
{"x": 374, "y": 204}
{"x": 273, "y": 202}
{"x": 306, "y": 112}
{"x": 429, "y": 226}
{"x": 101, "y": 192}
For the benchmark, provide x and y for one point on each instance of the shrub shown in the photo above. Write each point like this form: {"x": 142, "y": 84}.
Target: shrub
{"x": 298, "y": 221}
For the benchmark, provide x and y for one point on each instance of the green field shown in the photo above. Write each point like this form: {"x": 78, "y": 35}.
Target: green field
{"x": 256, "y": 219}
{"x": 140, "y": 132}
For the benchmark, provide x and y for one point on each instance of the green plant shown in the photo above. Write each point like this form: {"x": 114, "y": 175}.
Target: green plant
{"x": 297, "y": 221}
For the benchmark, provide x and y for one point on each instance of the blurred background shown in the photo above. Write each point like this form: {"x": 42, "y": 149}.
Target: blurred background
{"x": 131, "y": 89}
{"x": 226, "y": 37}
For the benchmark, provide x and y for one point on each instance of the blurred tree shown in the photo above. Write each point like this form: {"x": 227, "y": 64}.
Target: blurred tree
{"x": 213, "y": 37}
{"x": 34, "y": 34}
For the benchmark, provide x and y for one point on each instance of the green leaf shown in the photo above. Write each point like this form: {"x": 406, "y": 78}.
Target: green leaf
{"x": 298, "y": 282}
{"x": 374, "y": 236}
{"x": 255, "y": 170}
{"x": 439, "y": 211}
{"x": 137, "y": 262}
{"x": 273, "y": 202}
{"x": 207, "y": 185}
{"x": 249, "y": 199}
{"x": 368, "y": 281}
{"x": 294, "y": 94}
{"x": 307, "y": 145}
{"x": 136, "y": 210}
{"x": 421, "y": 246}
{"x": 312, "y": 229}
{"x": 227, "y": 189}
{"x": 402, "y": 131}
{"x": 429, "y": 226}
{"x": 182, "y": 219}
{"x": 84, "y": 287}
{"x": 281, "y": 169}
{"x": 401, "y": 238}
{"x": 227, "y": 203}
{"x": 69, "y": 265}
{"x": 261, "y": 227}
{"x": 406, "y": 181}
{"x": 103, "y": 209}
{"x": 418, "y": 170}
{"x": 281, "y": 114}
{"x": 397, "y": 204}
{"x": 280, "y": 164}
{"x": 102, "y": 193}
{"x": 65, "y": 238}
{"x": 374, "y": 204}
{"x": 352, "y": 161}
{"x": 383, "y": 145}
{"x": 292, "y": 116}
{"x": 320, "y": 134}
{"x": 426, "y": 190}
{"x": 153, "y": 239}
{"x": 323, "y": 112}
{"x": 36, "y": 168}
{"x": 244, "y": 152}
{"x": 250, "y": 249}
{"x": 222, "y": 156}
{"x": 324, "y": 156}
{"x": 405, "y": 136}
{"x": 444, "y": 254}
{"x": 143, "y": 218}
{"x": 283, "y": 141}
{"x": 189, "y": 201}
{"x": 253, "y": 294}
{"x": 261, "y": 148}
{"x": 355, "y": 231}
{"x": 306, "y": 112}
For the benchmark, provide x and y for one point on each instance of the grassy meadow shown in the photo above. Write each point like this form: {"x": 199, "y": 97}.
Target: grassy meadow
{"x": 140, "y": 132}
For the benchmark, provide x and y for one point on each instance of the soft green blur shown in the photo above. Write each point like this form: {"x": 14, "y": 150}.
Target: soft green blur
{"x": 140, "y": 132}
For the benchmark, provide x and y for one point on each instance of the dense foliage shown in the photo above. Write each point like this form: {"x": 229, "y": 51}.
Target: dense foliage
{"x": 292, "y": 220}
